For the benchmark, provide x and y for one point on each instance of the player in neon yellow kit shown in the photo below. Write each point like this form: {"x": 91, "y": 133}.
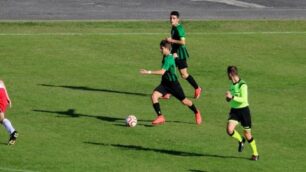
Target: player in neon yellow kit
{"x": 237, "y": 96}
{"x": 179, "y": 51}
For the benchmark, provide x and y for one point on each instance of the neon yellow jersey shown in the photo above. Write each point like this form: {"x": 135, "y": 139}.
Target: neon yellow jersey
{"x": 240, "y": 92}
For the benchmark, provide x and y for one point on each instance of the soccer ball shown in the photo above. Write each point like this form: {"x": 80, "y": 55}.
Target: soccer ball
{"x": 131, "y": 121}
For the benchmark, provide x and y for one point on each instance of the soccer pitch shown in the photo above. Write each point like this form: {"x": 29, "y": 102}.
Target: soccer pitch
{"x": 72, "y": 84}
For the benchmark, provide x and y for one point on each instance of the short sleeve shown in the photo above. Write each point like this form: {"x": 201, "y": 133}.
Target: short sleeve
{"x": 181, "y": 32}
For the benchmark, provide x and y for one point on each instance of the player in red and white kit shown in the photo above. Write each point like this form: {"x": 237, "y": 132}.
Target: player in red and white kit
{"x": 4, "y": 102}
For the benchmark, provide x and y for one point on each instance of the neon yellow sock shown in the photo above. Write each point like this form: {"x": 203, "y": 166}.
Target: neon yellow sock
{"x": 254, "y": 147}
{"x": 237, "y": 136}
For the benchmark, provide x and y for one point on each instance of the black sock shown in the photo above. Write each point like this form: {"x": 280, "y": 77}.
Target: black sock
{"x": 192, "y": 82}
{"x": 232, "y": 133}
{"x": 251, "y": 140}
{"x": 193, "y": 108}
{"x": 157, "y": 108}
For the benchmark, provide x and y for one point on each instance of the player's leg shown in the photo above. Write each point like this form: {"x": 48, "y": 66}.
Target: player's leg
{"x": 251, "y": 140}
{"x": 197, "y": 113}
{"x": 182, "y": 66}
{"x": 9, "y": 128}
{"x": 246, "y": 122}
{"x": 166, "y": 96}
{"x": 4, "y": 100}
{"x": 178, "y": 92}
{"x": 6, "y": 123}
{"x": 230, "y": 129}
{"x": 156, "y": 95}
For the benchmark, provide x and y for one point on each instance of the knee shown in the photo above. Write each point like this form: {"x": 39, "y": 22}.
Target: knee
{"x": 248, "y": 135}
{"x": 155, "y": 98}
{"x": 229, "y": 131}
{"x": 184, "y": 75}
{"x": 186, "y": 102}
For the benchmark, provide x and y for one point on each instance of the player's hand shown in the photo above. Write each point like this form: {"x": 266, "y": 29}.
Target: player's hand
{"x": 144, "y": 71}
{"x": 10, "y": 103}
{"x": 175, "y": 55}
{"x": 228, "y": 96}
{"x": 169, "y": 40}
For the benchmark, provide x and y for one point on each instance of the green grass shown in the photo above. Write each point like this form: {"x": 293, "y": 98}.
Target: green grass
{"x": 47, "y": 73}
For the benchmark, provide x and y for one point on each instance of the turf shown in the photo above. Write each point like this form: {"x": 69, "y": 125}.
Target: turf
{"x": 73, "y": 83}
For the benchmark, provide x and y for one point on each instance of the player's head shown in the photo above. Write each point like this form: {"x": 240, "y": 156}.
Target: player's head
{"x": 232, "y": 71}
{"x": 165, "y": 47}
{"x": 174, "y": 18}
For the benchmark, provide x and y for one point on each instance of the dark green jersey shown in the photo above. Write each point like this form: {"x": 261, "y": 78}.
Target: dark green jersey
{"x": 178, "y": 33}
{"x": 168, "y": 64}
{"x": 240, "y": 92}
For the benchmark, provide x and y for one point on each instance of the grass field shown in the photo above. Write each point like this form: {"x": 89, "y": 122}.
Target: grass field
{"x": 73, "y": 83}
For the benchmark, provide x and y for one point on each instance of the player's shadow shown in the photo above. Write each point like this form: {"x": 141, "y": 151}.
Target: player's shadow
{"x": 103, "y": 90}
{"x": 117, "y": 121}
{"x": 193, "y": 170}
{"x": 83, "y": 88}
{"x": 163, "y": 151}
{"x": 72, "y": 113}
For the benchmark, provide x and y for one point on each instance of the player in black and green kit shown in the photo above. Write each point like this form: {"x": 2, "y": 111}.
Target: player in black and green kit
{"x": 237, "y": 96}
{"x": 180, "y": 52}
{"x": 169, "y": 84}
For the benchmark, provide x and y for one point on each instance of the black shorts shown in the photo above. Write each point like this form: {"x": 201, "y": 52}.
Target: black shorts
{"x": 174, "y": 88}
{"x": 181, "y": 63}
{"x": 242, "y": 115}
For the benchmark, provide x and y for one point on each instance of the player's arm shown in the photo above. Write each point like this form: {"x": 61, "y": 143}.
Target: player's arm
{"x": 181, "y": 41}
{"x": 174, "y": 41}
{"x": 164, "y": 68}
{"x": 243, "y": 95}
{"x": 152, "y": 72}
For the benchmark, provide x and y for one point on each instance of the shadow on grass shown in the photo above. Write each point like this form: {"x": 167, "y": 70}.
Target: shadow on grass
{"x": 82, "y": 88}
{"x": 193, "y": 170}
{"x": 163, "y": 151}
{"x": 72, "y": 113}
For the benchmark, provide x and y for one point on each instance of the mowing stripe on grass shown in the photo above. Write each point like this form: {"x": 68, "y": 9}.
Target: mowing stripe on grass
{"x": 145, "y": 33}
{"x": 15, "y": 170}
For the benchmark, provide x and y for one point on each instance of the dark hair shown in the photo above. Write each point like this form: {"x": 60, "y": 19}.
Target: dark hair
{"x": 165, "y": 43}
{"x": 175, "y": 13}
{"x": 232, "y": 70}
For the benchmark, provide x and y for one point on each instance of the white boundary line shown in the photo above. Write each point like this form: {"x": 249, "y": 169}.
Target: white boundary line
{"x": 145, "y": 33}
{"x": 234, "y": 3}
{"x": 15, "y": 170}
